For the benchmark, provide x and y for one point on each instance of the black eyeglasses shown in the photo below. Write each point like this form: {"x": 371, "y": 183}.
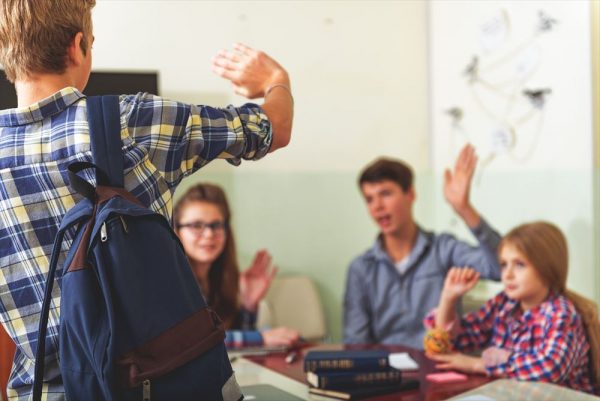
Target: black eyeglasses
{"x": 217, "y": 227}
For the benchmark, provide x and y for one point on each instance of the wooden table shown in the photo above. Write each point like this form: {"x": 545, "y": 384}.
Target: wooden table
{"x": 427, "y": 391}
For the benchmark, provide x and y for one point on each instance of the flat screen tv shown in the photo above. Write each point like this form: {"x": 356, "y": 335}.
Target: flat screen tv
{"x": 100, "y": 83}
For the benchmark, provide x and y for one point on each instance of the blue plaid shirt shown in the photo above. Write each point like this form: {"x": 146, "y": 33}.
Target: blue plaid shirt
{"x": 163, "y": 141}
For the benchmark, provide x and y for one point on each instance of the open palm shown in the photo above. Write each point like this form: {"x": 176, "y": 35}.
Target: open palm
{"x": 255, "y": 281}
{"x": 250, "y": 71}
{"x": 457, "y": 183}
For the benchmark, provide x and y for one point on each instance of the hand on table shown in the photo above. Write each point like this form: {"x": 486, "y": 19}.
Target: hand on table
{"x": 458, "y": 361}
{"x": 281, "y": 336}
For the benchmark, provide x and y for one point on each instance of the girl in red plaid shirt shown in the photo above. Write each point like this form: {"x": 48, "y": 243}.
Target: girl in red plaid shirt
{"x": 536, "y": 329}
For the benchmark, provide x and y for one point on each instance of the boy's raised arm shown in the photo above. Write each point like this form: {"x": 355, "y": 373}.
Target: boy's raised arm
{"x": 254, "y": 74}
{"x": 457, "y": 185}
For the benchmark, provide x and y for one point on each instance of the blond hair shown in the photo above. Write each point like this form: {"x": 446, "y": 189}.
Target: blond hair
{"x": 545, "y": 247}
{"x": 35, "y": 34}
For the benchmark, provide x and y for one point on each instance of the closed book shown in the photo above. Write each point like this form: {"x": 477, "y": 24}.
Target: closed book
{"x": 351, "y": 379}
{"x": 355, "y": 360}
{"x": 364, "y": 392}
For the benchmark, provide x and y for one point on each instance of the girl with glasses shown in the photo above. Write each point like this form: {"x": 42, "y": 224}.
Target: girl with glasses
{"x": 202, "y": 222}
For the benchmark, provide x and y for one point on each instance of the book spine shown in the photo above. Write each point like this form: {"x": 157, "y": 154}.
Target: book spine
{"x": 359, "y": 379}
{"x": 363, "y": 365}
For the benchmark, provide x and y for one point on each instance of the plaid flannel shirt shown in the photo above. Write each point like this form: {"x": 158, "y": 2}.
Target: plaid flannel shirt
{"x": 163, "y": 141}
{"x": 547, "y": 343}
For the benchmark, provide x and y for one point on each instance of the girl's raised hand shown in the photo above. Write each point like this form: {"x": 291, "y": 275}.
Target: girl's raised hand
{"x": 459, "y": 281}
{"x": 255, "y": 281}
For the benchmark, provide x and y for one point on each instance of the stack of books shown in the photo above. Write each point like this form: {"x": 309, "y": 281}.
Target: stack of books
{"x": 352, "y": 375}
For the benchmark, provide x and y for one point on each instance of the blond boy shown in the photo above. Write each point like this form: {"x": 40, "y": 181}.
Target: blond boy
{"x": 46, "y": 51}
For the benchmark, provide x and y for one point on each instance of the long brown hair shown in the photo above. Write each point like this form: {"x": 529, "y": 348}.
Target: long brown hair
{"x": 223, "y": 275}
{"x": 545, "y": 247}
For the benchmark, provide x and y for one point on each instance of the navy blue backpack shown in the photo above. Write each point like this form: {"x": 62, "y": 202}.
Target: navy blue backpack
{"x": 133, "y": 322}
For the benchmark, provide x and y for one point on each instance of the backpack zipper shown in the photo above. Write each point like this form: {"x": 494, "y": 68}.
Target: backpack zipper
{"x": 103, "y": 233}
{"x": 125, "y": 228}
{"x": 104, "y": 230}
{"x": 146, "y": 390}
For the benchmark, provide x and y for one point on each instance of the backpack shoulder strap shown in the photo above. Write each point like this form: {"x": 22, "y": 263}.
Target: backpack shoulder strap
{"x": 40, "y": 353}
{"x": 105, "y": 137}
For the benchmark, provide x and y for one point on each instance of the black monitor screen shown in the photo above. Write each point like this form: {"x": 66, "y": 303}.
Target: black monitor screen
{"x": 100, "y": 83}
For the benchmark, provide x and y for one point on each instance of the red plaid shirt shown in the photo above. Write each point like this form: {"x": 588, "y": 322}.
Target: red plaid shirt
{"x": 547, "y": 343}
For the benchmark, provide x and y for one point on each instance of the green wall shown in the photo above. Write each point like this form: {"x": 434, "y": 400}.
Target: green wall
{"x": 313, "y": 223}
{"x": 316, "y": 223}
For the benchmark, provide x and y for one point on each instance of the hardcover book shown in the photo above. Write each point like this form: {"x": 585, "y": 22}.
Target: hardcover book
{"x": 351, "y": 379}
{"x": 364, "y": 392}
{"x": 354, "y": 360}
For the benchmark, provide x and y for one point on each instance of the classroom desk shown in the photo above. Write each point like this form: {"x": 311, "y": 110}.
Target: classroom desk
{"x": 511, "y": 390}
{"x": 272, "y": 369}
{"x": 291, "y": 377}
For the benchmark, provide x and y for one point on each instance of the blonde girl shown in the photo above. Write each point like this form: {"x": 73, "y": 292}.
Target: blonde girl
{"x": 535, "y": 329}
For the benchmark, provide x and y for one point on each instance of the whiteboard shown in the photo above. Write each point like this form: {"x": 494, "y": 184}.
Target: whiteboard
{"x": 489, "y": 60}
{"x": 514, "y": 78}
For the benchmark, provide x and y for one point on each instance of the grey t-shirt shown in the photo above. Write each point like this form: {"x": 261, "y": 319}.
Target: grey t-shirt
{"x": 403, "y": 265}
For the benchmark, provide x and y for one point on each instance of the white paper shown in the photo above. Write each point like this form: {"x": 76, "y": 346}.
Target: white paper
{"x": 501, "y": 140}
{"x": 476, "y": 397}
{"x": 402, "y": 361}
{"x": 493, "y": 33}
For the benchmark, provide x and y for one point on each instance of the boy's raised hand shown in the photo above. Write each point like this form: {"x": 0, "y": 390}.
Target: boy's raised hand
{"x": 457, "y": 183}
{"x": 457, "y": 186}
{"x": 250, "y": 71}
{"x": 459, "y": 281}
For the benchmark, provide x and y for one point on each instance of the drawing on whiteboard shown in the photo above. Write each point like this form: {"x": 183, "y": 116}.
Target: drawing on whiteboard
{"x": 499, "y": 82}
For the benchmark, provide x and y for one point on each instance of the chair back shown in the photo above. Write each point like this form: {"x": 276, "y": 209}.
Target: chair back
{"x": 293, "y": 301}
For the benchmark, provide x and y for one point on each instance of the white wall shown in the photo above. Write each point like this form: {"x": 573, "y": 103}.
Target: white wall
{"x": 546, "y": 171}
{"x": 358, "y": 68}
